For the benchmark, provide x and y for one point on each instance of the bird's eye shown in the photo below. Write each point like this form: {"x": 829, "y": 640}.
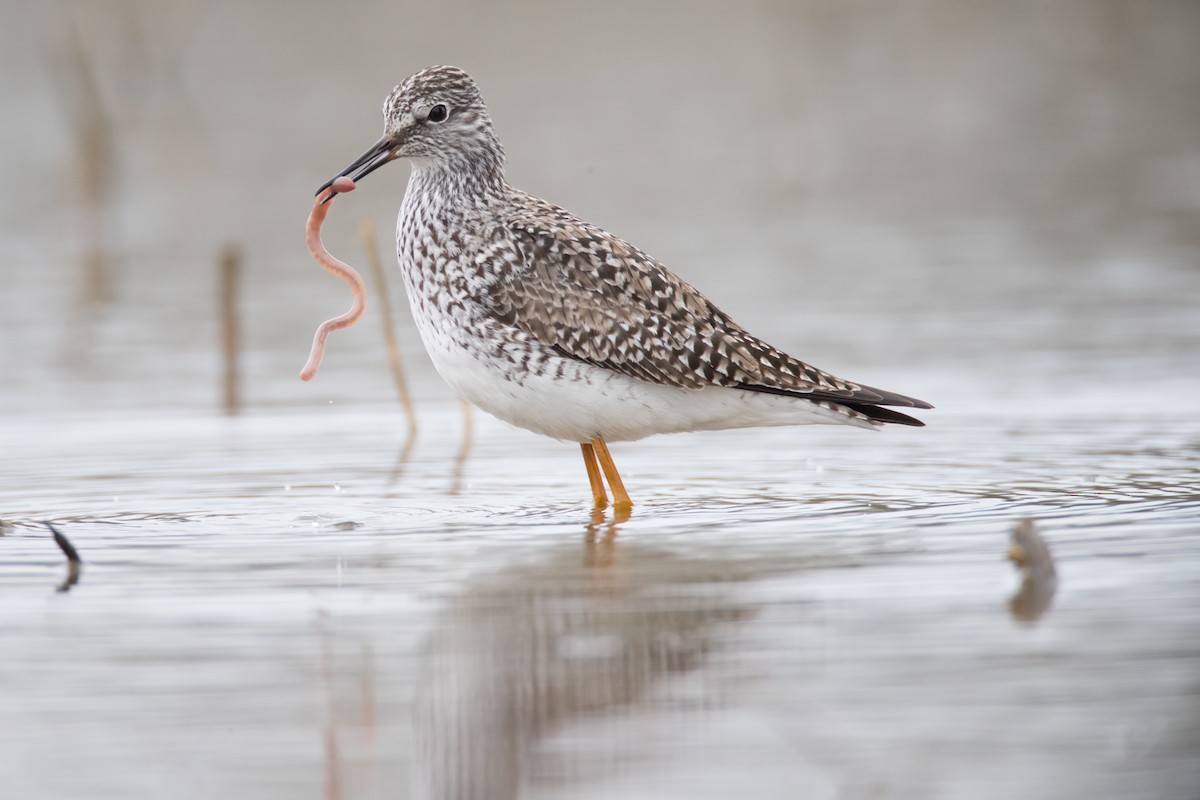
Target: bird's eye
{"x": 438, "y": 113}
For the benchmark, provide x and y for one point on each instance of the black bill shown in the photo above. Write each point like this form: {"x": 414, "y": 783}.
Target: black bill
{"x": 379, "y": 154}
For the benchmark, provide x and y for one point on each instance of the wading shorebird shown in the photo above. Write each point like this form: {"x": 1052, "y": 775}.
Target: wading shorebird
{"x": 554, "y": 325}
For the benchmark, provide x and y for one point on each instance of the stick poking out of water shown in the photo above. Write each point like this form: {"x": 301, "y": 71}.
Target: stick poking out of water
{"x": 231, "y": 334}
{"x": 74, "y": 562}
{"x": 366, "y": 230}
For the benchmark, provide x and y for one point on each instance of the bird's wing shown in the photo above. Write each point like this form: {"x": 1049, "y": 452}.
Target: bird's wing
{"x": 591, "y": 296}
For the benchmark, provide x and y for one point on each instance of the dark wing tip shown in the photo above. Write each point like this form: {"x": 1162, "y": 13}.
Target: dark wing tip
{"x": 887, "y": 398}
{"x": 886, "y": 415}
{"x": 867, "y": 401}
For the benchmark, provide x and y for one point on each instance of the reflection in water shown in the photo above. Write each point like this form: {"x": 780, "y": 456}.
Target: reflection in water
{"x": 517, "y": 657}
{"x": 362, "y": 761}
{"x": 1039, "y": 581}
{"x": 460, "y": 459}
{"x": 602, "y": 529}
{"x": 464, "y": 449}
{"x": 402, "y": 459}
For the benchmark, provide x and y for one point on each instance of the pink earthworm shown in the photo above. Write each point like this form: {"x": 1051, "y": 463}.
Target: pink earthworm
{"x": 312, "y": 235}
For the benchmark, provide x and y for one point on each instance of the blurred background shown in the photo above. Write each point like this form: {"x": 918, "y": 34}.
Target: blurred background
{"x": 991, "y": 205}
{"x": 799, "y": 162}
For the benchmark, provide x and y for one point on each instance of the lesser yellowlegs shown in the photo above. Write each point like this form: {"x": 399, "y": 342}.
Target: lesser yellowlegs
{"x": 551, "y": 324}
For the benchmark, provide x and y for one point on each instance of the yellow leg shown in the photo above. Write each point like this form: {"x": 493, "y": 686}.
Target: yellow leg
{"x": 621, "y": 502}
{"x": 593, "y": 471}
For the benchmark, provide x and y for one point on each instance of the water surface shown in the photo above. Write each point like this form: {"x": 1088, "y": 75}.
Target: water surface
{"x": 298, "y": 602}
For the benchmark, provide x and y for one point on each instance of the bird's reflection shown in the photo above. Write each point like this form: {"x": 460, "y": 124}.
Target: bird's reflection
{"x": 519, "y": 656}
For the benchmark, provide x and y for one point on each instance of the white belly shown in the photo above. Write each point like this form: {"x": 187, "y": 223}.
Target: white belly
{"x": 589, "y": 401}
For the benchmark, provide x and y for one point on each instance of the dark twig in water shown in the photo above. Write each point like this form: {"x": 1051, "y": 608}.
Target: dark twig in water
{"x": 74, "y": 562}
{"x": 366, "y": 230}
{"x": 1028, "y": 550}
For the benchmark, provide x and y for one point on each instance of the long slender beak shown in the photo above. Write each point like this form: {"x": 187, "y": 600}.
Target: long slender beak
{"x": 379, "y": 154}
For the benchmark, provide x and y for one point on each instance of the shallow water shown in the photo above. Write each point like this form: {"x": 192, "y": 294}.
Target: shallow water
{"x": 298, "y": 602}
{"x": 292, "y": 603}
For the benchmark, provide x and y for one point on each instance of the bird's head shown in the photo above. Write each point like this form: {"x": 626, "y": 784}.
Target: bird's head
{"x": 435, "y": 116}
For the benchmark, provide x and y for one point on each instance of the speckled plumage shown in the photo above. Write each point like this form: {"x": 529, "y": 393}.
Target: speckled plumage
{"x": 556, "y": 325}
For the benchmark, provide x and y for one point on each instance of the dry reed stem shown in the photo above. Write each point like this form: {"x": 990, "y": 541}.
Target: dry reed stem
{"x": 366, "y": 230}
{"x": 231, "y": 332}
{"x": 92, "y": 130}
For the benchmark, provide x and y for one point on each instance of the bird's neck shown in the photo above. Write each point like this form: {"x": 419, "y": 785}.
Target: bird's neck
{"x": 465, "y": 178}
